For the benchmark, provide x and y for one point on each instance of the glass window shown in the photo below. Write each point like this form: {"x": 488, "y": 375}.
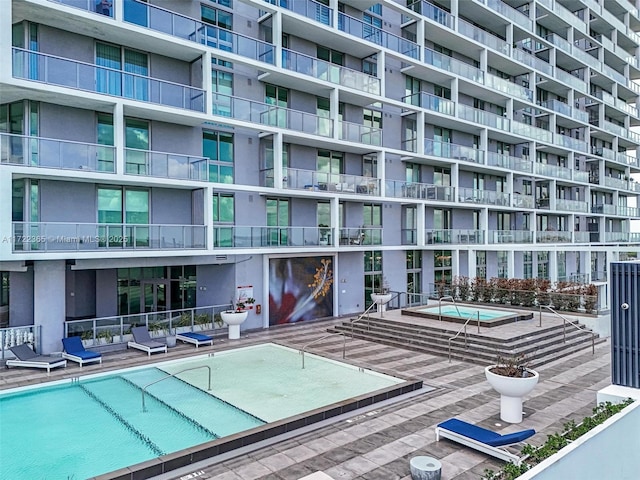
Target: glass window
{"x": 109, "y": 205}
{"x": 223, "y": 208}
{"x": 4, "y": 289}
{"x": 218, "y": 147}
{"x": 222, "y": 88}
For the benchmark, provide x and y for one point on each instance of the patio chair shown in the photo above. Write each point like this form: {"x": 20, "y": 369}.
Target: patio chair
{"x": 196, "y": 338}
{"x": 25, "y": 357}
{"x": 481, "y": 439}
{"x": 74, "y": 350}
{"x": 142, "y": 341}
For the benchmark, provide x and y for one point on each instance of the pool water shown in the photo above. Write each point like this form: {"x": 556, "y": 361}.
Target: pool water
{"x": 465, "y": 312}
{"x": 95, "y": 424}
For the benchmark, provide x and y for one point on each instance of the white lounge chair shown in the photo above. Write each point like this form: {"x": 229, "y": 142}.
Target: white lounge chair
{"x": 25, "y": 357}
{"x": 142, "y": 341}
{"x": 481, "y": 439}
{"x": 196, "y": 338}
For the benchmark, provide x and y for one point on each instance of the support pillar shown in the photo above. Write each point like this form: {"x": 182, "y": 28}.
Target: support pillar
{"x": 49, "y": 308}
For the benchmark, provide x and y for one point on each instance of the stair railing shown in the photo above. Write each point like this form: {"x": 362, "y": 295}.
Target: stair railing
{"x": 453, "y": 300}
{"x": 169, "y": 375}
{"x": 362, "y": 316}
{"x": 565, "y": 320}
{"x": 464, "y": 328}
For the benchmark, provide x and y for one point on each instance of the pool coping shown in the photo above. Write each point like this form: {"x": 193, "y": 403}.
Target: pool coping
{"x": 206, "y": 451}
{"x": 511, "y": 316}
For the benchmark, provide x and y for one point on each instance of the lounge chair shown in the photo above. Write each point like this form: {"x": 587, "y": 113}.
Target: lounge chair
{"x": 196, "y": 338}
{"x": 74, "y": 350}
{"x": 25, "y": 357}
{"x": 486, "y": 441}
{"x": 142, "y": 341}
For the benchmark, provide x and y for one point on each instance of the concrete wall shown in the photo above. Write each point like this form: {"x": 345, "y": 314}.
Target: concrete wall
{"x": 21, "y": 298}
{"x": 106, "y": 292}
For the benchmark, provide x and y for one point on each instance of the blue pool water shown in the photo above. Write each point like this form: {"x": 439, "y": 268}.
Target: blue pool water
{"x": 465, "y": 312}
{"x": 74, "y": 430}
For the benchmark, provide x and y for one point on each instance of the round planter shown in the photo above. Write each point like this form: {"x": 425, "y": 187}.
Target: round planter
{"x": 381, "y": 300}
{"x": 234, "y": 320}
{"x": 511, "y": 390}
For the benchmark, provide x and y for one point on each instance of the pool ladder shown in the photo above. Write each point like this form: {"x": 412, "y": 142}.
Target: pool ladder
{"x": 169, "y": 375}
{"x": 453, "y": 300}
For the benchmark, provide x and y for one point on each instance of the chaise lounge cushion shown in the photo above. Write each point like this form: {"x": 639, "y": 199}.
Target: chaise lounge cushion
{"x": 73, "y": 346}
{"x": 196, "y": 336}
{"x": 483, "y": 435}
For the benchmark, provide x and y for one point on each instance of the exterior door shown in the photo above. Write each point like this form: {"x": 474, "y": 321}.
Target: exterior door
{"x": 154, "y": 295}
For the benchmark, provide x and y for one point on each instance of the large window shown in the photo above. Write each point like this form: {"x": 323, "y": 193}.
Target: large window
{"x": 278, "y": 96}
{"x": 222, "y": 88}
{"x": 481, "y": 264}
{"x": 543, "y": 265}
{"x": 503, "y": 264}
{"x": 136, "y": 137}
{"x": 414, "y": 275}
{"x": 105, "y": 136}
{"x": 123, "y": 206}
{"x": 223, "y": 214}
{"x": 372, "y": 274}
{"x": 218, "y": 147}
{"x": 331, "y": 164}
{"x": 372, "y": 217}
{"x": 117, "y": 60}
{"x": 277, "y": 221}
{"x": 442, "y": 266}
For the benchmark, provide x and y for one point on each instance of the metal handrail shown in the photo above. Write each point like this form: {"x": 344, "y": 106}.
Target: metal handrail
{"x": 453, "y": 300}
{"x": 144, "y": 408}
{"x": 464, "y": 327}
{"x": 344, "y": 343}
{"x": 564, "y": 325}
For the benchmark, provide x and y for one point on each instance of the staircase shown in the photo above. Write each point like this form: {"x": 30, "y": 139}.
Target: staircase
{"x": 540, "y": 347}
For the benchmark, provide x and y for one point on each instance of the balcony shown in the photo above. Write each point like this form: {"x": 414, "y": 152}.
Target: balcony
{"x": 43, "y": 237}
{"x": 485, "y": 197}
{"x": 509, "y": 12}
{"x": 530, "y": 131}
{"x": 60, "y": 154}
{"x": 631, "y": 212}
{"x": 553, "y": 237}
{"x": 531, "y": 61}
{"x": 88, "y": 6}
{"x": 559, "y": 42}
{"x": 368, "y": 32}
{"x": 270, "y": 237}
{"x": 465, "y": 112}
{"x": 165, "y": 21}
{"x": 571, "y": 80}
{"x": 431, "y": 102}
{"x": 454, "y": 236}
{"x": 329, "y": 72}
{"x": 510, "y": 236}
{"x": 69, "y": 73}
{"x": 572, "y": 205}
{"x": 444, "y": 62}
{"x": 622, "y": 237}
{"x": 355, "y": 132}
{"x": 614, "y": 182}
{"x": 605, "y": 208}
{"x": 568, "y": 142}
{"x": 453, "y": 151}
{"x": 552, "y": 170}
{"x": 507, "y": 161}
{"x": 522, "y": 201}
{"x": 625, "y": 159}
{"x": 557, "y": 106}
{"x": 361, "y": 236}
{"x": 474, "y": 33}
{"x": 509, "y": 88}
{"x": 432, "y": 12}
{"x": 313, "y": 180}
{"x": 309, "y": 9}
{"x": 166, "y": 165}
{"x": 400, "y": 189}
{"x": 271, "y": 115}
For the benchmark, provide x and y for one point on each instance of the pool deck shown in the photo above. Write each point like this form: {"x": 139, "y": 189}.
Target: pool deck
{"x": 378, "y": 445}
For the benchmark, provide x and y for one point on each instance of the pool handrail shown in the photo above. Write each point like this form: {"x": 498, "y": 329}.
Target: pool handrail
{"x": 453, "y": 300}
{"x": 464, "y": 327}
{"x": 169, "y": 375}
{"x": 564, "y": 325}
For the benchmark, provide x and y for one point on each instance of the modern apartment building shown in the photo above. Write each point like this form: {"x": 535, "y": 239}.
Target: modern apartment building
{"x": 164, "y": 155}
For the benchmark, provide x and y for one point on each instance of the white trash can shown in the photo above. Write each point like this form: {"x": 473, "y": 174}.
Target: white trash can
{"x": 425, "y": 468}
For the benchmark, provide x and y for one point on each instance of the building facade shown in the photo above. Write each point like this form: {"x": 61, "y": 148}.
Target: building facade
{"x": 165, "y": 155}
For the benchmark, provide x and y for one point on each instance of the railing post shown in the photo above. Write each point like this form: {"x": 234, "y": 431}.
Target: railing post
{"x": 478, "y": 321}
{"x": 540, "y": 315}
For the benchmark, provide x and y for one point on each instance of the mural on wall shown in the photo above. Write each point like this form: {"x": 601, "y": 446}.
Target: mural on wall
{"x": 300, "y": 289}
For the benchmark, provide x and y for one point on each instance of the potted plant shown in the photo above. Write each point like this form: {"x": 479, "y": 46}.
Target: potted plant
{"x": 234, "y": 317}
{"x": 512, "y": 379}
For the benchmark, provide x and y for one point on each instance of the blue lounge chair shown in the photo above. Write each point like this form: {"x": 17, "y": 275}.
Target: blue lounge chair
{"x": 196, "y": 338}
{"x": 74, "y": 350}
{"x": 481, "y": 439}
{"x": 142, "y": 341}
{"x": 25, "y": 357}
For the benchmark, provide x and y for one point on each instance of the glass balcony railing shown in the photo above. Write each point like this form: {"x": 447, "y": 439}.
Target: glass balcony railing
{"x": 452, "y": 150}
{"x": 559, "y": 42}
{"x": 552, "y": 170}
{"x": 271, "y": 115}
{"x": 507, "y": 161}
{"x": 308, "y": 8}
{"x": 532, "y": 61}
{"x": 99, "y": 7}
{"x": 569, "y": 17}
{"x": 65, "y": 72}
{"x": 361, "y": 236}
{"x": 444, "y": 62}
{"x": 571, "y": 80}
{"x": 431, "y": 102}
{"x": 355, "y": 132}
{"x": 483, "y": 117}
{"x": 627, "y": 159}
{"x": 510, "y": 236}
{"x": 509, "y": 12}
{"x": 571, "y": 205}
{"x": 455, "y": 236}
{"x": 569, "y": 142}
{"x": 615, "y": 182}
{"x": 581, "y": 176}
{"x": 611, "y": 73}
{"x": 614, "y": 128}
{"x": 553, "y": 237}
{"x": 604, "y": 208}
{"x": 400, "y": 189}
{"x": 523, "y": 201}
{"x": 166, "y": 165}
{"x": 617, "y": 237}
{"x": 482, "y": 36}
{"x": 51, "y": 153}
{"x": 79, "y": 237}
{"x": 329, "y": 72}
{"x": 603, "y": 152}
{"x": 313, "y": 180}
{"x": 557, "y": 106}
{"x": 432, "y": 12}
{"x": 586, "y": 58}
{"x": 165, "y": 21}
{"x": 530, "y": 131}
{"x": 233, "y": 236}
{"x": 583, "y": 237}
{"x": 376, "y": 35}
{"x": 486, "y": 197}
{"x": 625, "y": 107}
{"x": 631, "y": 212}
{"x": 507, "y": 87}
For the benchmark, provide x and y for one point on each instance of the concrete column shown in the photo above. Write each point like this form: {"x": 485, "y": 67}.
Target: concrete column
{"x": 335, "y": 226}
{"x": 511, "y": 264}
{"x": 6, "y": 228}
{"x": 208, "y": 216}
{"x": 278, "y": 170}
{"x": 5, "y": 41}
{"x": 277, "y": 37}
{"x": 421, "y": 209}
{"x": 381, "y": 158}
{"x": 118, "y": 136}
{"x": 207, "y": 83}
{"x": 472, "y": 266}
{"x": 382, "y": 73}
{"x": 334, "y": 112}
{"x": 553, "y": 265}
{"x": 49, "y": 309}
{"x": 420, "y": 132}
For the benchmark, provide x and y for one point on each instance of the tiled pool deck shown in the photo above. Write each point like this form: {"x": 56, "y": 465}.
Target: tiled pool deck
{"x": 378, "y": 445}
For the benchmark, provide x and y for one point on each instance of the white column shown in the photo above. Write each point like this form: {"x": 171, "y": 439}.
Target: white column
{"x": 278, "y": 171}
{"x": 334, "y": 110}
{"x": 382, "y": 74}
{"x": 6, "y": 228}
{"x": 208, "y": 215}
{"x": 420, "y": 132}
{"x": 277, "y": 37}
{"x": 421, "y": 210}
{"x": 118, "y": 136}
{"x": 335, "y": 226}
{"x": 5, "y": 42}
{"x": 49, "y": 309}
{"x": 381, "y": 159}
{"x": 207, "y": 82}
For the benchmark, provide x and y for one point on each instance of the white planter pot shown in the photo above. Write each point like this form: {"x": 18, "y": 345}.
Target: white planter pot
{"x": 381, "y": 299}
{"x": 234, "y": 320}
{"x": 511, "y": 390}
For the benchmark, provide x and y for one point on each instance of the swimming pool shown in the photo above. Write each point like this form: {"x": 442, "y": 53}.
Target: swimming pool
{"x": 88, "y": 426}
{"x": 460, "y": 314}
